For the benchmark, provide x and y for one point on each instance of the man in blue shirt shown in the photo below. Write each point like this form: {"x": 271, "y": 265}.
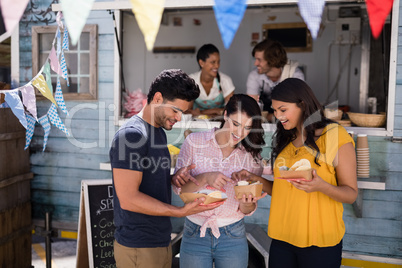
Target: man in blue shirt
{"x": 140, "y": 163}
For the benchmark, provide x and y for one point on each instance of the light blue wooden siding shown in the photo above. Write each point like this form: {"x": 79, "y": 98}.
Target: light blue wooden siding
{"x": 398, "y": 93}
{"x": 67, "y": 160}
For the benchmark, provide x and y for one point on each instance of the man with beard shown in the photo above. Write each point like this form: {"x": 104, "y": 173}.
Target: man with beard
{"x": 273, "y": 67}
{"x": 140, "y": 163}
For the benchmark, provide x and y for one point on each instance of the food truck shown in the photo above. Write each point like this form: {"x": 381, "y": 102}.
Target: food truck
{"x": 345, "y": 66}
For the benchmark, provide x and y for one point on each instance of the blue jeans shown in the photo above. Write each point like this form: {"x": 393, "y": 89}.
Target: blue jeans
{"x": 229, "y": 250}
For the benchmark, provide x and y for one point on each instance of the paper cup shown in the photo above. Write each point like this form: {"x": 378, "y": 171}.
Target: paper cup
{"x": 361, "y": 141}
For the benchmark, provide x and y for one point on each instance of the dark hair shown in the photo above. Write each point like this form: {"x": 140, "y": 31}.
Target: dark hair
{"x": 294, "y": 90}
{"x": 204, "y": 52}
{"x": 274, "y": 52}
{"x": 254, "y": 141}
{"x": 174, "y": 84}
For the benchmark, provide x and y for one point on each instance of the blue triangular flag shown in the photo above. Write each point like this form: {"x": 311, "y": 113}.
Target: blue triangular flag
{"x": 13, "y": 100}
{"x": 44, "y": 121}
{"x": 30, "y": 130}
{"x": 228, "y": 14}
{"x": 55, "y": 119}
{"x": 59, "y": 97}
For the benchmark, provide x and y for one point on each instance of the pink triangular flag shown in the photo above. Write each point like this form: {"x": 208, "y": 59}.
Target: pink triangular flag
{"x": 12, "y": 11}
{"x": 29, "y": 99}
{"x": 378, "y": 11}
{"x": 54, "y": 62}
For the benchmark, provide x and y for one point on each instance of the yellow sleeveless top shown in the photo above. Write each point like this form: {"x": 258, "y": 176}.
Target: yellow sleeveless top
{"x": 308, "y": 219}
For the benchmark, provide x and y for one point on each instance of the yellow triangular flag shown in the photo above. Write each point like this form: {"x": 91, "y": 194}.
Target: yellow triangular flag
{"x": 148, "y": 15}
{"x": 41, "y": 85}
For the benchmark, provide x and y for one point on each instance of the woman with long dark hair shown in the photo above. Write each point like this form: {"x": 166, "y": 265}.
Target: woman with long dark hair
{"x": 305, "y": 221}
{"x": 216, "y": 88}
{"x": 219, "y": 237}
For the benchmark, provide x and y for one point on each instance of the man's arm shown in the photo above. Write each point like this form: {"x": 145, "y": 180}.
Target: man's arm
{"x": 127, "y": 183}
{"x": 253, "y": 86}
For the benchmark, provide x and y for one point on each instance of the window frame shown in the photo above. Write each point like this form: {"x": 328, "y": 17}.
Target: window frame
{"x": 92, "y": 29}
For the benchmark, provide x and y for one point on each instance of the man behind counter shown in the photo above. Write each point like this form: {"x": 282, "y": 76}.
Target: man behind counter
{"x": 273, "y": 67}
{"x": 140, "y": 163}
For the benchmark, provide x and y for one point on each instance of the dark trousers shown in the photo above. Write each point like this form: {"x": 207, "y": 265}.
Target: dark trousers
{"x": 285, "y": 255}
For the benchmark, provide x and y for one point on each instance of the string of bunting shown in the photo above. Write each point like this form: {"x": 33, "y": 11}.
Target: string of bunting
{"x": 42, "y": 82}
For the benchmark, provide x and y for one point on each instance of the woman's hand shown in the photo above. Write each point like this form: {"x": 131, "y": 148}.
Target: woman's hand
{"x": 217, "y": 179}
{"x": 316, "y": 183}
{"x": 248, "y": 203}
{"x": 242, "y": 175}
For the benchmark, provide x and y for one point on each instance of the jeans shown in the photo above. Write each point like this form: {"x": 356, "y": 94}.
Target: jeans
{"x": 229, "y": 250}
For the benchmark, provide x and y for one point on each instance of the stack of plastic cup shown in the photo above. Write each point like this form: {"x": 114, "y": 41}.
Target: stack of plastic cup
{"x": 363, "y": 156}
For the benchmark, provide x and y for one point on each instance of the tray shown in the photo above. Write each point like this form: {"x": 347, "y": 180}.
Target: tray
{"x": 190, "y": 197}
{"x": 292, "y": 174}
{"x": 254, "y": 189}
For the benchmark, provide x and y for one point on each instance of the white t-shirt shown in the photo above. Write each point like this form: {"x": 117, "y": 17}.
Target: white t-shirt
{"x": 226, "y": 86}
{"x": 256, "y": 81}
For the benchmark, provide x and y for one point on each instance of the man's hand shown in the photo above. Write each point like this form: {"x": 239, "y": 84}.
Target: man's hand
{"x": 182, "y": 176}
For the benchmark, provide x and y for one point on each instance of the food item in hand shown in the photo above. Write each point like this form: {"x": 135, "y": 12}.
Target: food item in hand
{"x": 215, "y": 194}
{"x": 242, "y": 183}
{"x": 300, "y": 169}
{"x": 302, "y": 164}
{"x": 283, "y": 168}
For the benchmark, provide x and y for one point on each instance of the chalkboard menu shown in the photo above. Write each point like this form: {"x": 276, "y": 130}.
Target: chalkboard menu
{"x": 96, "y": 227}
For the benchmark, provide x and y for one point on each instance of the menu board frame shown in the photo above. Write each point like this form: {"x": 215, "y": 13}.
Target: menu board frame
{"x": 86, "y": 226}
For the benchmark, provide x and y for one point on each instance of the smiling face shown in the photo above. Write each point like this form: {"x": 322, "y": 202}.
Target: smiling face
{"x": 238, "y": 126}
{"x": 263, "y": 67}
{"x": 289, "y": 114}
{"x": 211, "y": 64}
{"x": 168, "y": 113}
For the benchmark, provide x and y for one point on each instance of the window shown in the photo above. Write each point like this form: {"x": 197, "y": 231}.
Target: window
{"x": 81, "y": 60}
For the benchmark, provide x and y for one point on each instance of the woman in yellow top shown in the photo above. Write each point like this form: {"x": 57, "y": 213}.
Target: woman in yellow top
{"x": 305, "y": 221}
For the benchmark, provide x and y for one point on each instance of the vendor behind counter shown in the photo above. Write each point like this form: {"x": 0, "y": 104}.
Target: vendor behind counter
{"x": 215, "y": 88}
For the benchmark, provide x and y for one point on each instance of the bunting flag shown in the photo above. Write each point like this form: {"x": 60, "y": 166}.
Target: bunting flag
{"x": 378, "y": 11}
{"x": 59, "y": 16}
{"x": 148, "y": 15}
{"x": 29, "y": 99}
{"x": 46, "y": 71}
{"x": 311, "y": 11}
{"x": 42, "y": 81}
{"x": 12, "y": 11}
{"x": 41, "y": 85}
{"x": 75, "y": 13}
{"x": 65, "y": 40}
{"x": 55, "y": 119}
{"x": 228, "y": 14}
{"x": 59, "y": 97}
{"x": 54, "y": 62}
{"x": 4, "y": 105}
{"x": 63, "y": 66}
{"x": 30, "y": 130}
{"x": 13, "y": 100}
{"x": 46, "y": 127}
{"x": 58, "y": 37}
